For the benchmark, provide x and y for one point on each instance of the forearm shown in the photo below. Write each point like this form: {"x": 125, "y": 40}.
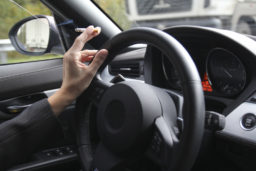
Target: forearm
{"x": 22, "y": 135}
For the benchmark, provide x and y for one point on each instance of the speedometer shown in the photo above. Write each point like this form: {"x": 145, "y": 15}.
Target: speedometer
{"x": 226, "y": 72}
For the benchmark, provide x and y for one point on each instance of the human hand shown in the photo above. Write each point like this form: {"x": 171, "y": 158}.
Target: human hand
{"x": 77, "y": 76}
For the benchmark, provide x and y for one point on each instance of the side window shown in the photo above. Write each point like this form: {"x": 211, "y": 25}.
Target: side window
{"x": 12, "y": 11}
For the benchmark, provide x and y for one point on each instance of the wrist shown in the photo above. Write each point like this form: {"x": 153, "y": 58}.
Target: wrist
{"x": 60, "y": 100}
{"x": 66, "y": 95}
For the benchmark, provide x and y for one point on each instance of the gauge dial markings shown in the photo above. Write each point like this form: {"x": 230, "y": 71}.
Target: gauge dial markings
{"x": 226, "y": 72}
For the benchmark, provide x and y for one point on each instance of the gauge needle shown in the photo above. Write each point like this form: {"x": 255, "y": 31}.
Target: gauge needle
{"x": 227, "y": 72}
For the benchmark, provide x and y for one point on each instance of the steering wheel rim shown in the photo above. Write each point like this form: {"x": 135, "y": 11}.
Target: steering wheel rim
{"x": 193, "y": 107}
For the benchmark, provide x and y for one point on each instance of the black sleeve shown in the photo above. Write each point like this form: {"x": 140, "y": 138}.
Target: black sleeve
{"x": 22, "y": 135}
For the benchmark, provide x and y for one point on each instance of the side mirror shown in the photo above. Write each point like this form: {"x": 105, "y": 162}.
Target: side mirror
{"x": 36, "y": 35}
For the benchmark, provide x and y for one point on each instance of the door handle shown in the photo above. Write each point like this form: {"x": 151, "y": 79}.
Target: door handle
{"x": 15, "y": 109}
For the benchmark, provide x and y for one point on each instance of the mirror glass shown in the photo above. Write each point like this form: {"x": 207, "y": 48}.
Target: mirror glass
{"x": 33, "y": 36}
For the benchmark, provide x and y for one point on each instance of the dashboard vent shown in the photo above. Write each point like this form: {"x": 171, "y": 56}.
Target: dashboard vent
{"x": 132, "y": 69}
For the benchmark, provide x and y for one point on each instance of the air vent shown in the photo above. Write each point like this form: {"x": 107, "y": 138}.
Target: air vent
{"x": 132, "y": 69}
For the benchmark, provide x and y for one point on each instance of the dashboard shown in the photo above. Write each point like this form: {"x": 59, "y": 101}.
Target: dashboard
{"x": 226, "y": 63}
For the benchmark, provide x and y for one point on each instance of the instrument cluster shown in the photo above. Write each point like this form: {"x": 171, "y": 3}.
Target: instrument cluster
{"x": 223, "y": 73}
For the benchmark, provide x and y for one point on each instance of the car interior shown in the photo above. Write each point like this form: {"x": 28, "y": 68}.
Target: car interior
{"x": 181, "y": 98}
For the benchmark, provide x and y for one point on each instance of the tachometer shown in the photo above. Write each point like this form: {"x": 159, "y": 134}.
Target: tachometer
{"x": 226, "y": 72}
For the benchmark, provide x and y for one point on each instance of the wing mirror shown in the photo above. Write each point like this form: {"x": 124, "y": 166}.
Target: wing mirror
{"x": 36, "y": 35}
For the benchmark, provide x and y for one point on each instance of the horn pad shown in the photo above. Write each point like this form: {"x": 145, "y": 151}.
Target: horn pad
{"x": 126, "y": 114}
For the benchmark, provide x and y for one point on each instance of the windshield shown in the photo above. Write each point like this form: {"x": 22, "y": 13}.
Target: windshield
{"x": 235, "y": 15}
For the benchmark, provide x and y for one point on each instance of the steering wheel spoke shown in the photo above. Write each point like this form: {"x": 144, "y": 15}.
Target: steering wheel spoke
{"x": 163, "y": 143}
{"x": 177, "y": 99}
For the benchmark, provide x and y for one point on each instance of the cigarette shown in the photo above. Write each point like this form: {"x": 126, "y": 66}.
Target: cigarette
{"x": 80, "y": 30}
{"x": 95, "y": 30}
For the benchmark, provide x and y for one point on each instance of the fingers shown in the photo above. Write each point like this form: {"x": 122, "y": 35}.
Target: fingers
{"x": 89, "y": 52}
{"x": 84, "y": 37}
{"x": 86, "y": 58}
{"x": 87, "y": 55}
{"x": 96, "y": 31}
{"x": 98, "y": 60}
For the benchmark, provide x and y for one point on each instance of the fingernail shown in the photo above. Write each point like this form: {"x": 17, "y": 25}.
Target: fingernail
{"x": 96, "y": 30}
{"x": 105, "y": 52}
{"x": 90, "y": 29}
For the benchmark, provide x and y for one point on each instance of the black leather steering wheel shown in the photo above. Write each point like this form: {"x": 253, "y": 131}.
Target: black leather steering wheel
{"x": 136, "y": 119}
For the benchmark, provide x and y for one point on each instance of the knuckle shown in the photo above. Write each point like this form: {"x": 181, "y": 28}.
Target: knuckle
{"x": 80, "y": 40}
{"x": 69, "y": 56}
{"x": 72, "y": 54}
{"x": 86, "y": 52}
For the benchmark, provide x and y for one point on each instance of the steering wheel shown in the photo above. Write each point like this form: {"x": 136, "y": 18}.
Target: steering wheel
{"x": 135, "y": 119}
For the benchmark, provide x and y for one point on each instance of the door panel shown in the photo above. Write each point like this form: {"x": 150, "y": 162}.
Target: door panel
{"x": 28, "y": 78}
{"x": 25, "y": 83}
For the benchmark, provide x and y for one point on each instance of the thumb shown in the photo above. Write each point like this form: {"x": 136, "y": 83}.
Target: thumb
{"x": 98, "y": 60}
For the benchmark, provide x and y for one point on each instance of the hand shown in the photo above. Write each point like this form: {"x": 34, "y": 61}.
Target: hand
{"x": 77, "y": 76}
